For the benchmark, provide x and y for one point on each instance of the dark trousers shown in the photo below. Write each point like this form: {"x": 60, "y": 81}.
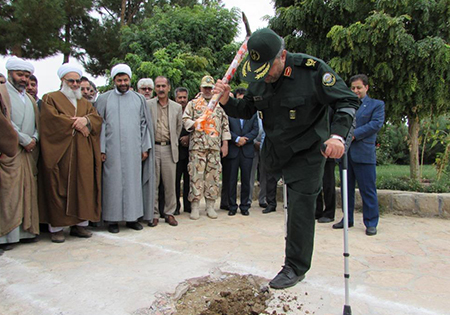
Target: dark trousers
{"x": 271, "y": 189}
{"x": 182, "y": 171}
{"x": 245, "y": 165}
{"x": 365, "y": 175}
{"x": 161, "y": 199}
{"x": 225, "y": 183}
{"x": 328, "y": 193}
{"x": 302, "y": 196}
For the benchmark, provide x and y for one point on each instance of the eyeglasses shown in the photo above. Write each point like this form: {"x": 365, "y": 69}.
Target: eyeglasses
{"x": 146, "y": 88}
{"x": 72, "y": 81}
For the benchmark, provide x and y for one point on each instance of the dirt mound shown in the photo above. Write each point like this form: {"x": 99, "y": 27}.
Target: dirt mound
{"x": 234, "y": 295}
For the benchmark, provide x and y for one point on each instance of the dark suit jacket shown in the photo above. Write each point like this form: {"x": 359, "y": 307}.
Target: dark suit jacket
{"x": 369, "y": 120}
{"x": 249, "y": 130}
{"x": 183, "y": 151}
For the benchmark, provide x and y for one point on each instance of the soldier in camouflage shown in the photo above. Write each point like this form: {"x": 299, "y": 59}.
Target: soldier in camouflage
{"x": 204, "y": 150}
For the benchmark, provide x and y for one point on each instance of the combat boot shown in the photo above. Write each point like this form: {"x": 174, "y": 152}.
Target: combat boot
{"x": 210, "y": 212}
{"x": 195, "y": 210}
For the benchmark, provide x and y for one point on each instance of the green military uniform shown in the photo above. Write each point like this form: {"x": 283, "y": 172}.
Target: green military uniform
{"x": 294, "y": 111}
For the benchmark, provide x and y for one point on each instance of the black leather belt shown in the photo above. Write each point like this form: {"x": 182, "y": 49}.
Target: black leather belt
{"x": 163, "y": 143}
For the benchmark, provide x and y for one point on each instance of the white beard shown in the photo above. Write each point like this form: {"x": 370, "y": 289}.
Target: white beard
{"x": 71, "y": 94}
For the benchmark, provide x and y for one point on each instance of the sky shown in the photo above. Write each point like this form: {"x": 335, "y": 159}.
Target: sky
{"x": 46, "y": 69}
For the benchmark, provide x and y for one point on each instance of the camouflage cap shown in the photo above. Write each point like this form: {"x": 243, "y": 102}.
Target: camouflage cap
{"x": 207, "y": 81}
{"x": 263, "y": 46}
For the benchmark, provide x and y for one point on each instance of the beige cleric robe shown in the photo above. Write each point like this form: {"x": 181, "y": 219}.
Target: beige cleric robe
{"x": 18, "y": 184}
{"x": 70, "y": 164}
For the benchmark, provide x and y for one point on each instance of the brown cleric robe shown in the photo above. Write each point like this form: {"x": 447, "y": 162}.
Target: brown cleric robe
{"x": 70, "y": 164}
{"x": 18, "y": 184}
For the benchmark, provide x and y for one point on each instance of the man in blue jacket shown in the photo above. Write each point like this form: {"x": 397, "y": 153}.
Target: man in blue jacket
{"x": 240, "y": 156}
{"x": 362, "y": 156}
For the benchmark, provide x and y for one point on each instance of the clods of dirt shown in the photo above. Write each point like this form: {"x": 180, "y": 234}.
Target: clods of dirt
{"x": 231, "y": 295}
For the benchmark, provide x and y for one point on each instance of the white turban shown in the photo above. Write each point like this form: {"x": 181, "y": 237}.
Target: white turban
{"x": 66, "y": 68}
{"x": 120, "y": 68}
{"x": 146, "y": 82}
{"x": 17, "y": 64}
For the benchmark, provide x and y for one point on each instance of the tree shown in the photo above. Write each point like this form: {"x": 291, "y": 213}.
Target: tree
{"x": 30, "y": 28}
{"x": 98, "y": 37}
{"x": 182, "y": 43}
{"x": 75, "y": 11}
{"x": 401, "y": 45}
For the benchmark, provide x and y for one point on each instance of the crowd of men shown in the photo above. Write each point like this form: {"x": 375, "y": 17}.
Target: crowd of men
{"x": 75, "y": 158}
{"x": 104, "y": 158}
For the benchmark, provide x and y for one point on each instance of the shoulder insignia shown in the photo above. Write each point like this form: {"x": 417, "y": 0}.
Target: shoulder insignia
{"x": 288, "y": 71}
{"x": 310, "y": 62}
{"x": 328, "y": 79}
{"x": 257, "y": 98}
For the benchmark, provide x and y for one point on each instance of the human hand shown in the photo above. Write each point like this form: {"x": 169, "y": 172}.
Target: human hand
{"x": 334, "y": 149}
{"x": 184, "y": 140}
{"x": 30, "y": 147}
{"x": 223, "y": 88}
{"x": 79, "y": 123}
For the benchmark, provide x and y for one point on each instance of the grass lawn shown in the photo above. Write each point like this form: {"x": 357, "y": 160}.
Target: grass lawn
{"x": 402, "y": 171}
{"x": 396, "y": 177}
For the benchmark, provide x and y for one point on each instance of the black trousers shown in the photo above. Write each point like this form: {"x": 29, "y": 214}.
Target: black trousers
{"x": 182, "y": 171}
{"x": 328, "y": 193}
{"x": 271, "y": 189}
{"x": 245, "y": 165}
{"x": 303, "y": 189}
{"x": 225, "y": 183}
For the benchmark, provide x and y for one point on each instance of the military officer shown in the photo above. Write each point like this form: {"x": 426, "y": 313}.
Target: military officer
{"x": 291, "y": 93}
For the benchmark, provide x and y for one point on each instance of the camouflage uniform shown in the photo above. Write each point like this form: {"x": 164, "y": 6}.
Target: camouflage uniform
{"x": 204, "y": 150}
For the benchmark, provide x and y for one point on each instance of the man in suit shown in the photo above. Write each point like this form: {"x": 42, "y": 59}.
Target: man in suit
{"x": 362, "y": 155}
{"x": 181, "y": 97}
{"x": 240, "y": 156}
{"x": 166, "y": 115}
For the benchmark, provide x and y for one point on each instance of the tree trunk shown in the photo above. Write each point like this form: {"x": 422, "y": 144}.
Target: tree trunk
{"x": 122, "y": 12}
{"x": 67, "y": 39}
{"x": 413, "y": 131}
{"x": 17, "y": 50}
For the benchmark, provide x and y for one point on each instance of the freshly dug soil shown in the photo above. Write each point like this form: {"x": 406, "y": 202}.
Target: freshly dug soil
{"x": 233, "y": 295}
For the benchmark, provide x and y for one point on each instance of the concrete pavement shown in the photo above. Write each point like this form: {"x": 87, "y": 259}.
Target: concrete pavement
{"x": 402, "y": 270}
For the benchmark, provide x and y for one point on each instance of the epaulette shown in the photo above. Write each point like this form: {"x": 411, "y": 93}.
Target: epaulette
{"x": 306, "y": 61}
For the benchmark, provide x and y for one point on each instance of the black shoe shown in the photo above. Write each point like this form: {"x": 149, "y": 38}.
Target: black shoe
{"x": 177, "y": 212}
{"x": 245, "y": 212}
{"x": 285, "y": 278}
{"x": 340, "y": 225}
{"x": 371, "y": 230}
{"x": 325, "y": 220}
{"x": 231, "y": 212}
{"x": 29, "y": 240}
{"x": 187, "y": 210}
{"x": 269, "y": 209}
{"x": 263, "y": 205}
{"x": 6, "y": 246}
{"x": 224, "y": 207}
{"x": 134, "y": 225}
{"x": 113, "y": 228}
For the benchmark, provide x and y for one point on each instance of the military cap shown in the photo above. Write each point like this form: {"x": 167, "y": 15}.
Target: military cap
{"x": 263, "y": 46}
{"x": 207, "y": 81}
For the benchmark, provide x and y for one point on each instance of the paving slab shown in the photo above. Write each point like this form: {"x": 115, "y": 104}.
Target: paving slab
{"x": 402, "y": 270}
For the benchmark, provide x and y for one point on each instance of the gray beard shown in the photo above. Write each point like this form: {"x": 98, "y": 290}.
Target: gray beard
{"x": 71, "y": 94}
